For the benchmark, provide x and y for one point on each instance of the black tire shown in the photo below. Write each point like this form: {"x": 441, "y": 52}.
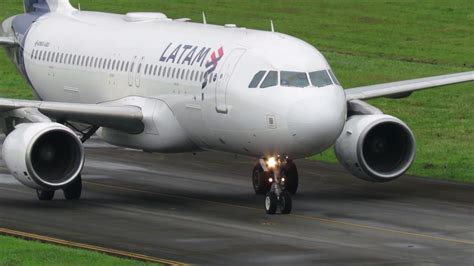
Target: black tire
{"x": 291, "y": 178}
{"x": 286, "y": 203}
{"x": 45, "y": 195}
{"x": 74, "y": 190}
{"x": 260, "y": 182}
{"x": 271, "y": 203}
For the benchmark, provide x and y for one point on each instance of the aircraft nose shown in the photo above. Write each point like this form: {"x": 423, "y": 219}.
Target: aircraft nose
{"x": 316, "y": 122}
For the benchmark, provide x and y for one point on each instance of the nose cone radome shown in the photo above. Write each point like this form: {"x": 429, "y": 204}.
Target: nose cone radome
{"x": 317, "y": 121}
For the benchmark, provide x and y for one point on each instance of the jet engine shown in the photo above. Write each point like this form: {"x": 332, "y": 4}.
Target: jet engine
{"x": 376, "y": 148}
{"x": 43, "y": 155}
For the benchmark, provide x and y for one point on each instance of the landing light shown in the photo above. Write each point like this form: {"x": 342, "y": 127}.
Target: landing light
{"x": 271, "y": 162}
{"x": 270, "y": 180}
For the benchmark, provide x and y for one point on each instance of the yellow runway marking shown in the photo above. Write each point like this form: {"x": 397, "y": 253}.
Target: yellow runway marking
{"x": 66, "y": 243}
{"x": 319, "y": 219}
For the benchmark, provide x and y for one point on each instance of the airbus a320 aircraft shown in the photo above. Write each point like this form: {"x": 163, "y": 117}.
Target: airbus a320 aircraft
{"x": 145, "y": 81}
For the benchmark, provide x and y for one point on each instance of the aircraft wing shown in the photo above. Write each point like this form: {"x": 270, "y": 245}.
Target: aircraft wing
{"x": 125, "y": 118}
{"x": 405, "y": 88}
{"x": 7, "y": 41}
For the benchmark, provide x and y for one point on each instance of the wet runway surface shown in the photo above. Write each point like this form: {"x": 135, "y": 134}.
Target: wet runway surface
{"x": 202, "y": 210}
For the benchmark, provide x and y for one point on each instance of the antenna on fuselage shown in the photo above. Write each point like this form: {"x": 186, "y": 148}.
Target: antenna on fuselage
{"x": 272, "y": 26}
{"x": 204, "y": 20}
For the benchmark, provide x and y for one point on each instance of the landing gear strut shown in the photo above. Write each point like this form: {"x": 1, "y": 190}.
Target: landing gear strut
{"x": 261, "y": 176}
{"x": 278, "y": 178}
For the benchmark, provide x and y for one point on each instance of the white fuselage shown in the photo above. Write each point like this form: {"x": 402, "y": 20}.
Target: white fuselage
{"x": 87, "y": 57}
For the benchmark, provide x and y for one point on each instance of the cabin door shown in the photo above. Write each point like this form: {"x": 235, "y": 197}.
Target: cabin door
{"x": 223, "y": 78}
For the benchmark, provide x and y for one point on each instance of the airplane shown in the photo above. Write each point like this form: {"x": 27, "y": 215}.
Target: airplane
{"x": 152, "y": 83}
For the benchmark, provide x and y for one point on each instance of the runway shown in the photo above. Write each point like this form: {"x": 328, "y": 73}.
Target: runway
{"x": 201, "y": 209}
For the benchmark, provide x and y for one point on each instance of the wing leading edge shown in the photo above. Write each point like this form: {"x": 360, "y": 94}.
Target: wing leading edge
{"x": 125, "y": 118}
{"x": 407, "y": 86}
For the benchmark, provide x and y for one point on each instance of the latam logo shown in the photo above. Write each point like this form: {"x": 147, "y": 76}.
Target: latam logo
{"x": 211, "y": 65}
{"x": 192, "y": 55}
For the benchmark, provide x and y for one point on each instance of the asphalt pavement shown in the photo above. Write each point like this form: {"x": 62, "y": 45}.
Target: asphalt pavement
{"x": 201, "y": 209}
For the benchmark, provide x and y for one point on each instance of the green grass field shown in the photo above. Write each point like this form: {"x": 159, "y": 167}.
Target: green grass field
{"x": 366, "y": 42}
{"x": 17, "y": 252}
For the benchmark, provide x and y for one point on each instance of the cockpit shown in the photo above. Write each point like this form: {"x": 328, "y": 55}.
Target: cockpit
{"x": 265, "y": 79}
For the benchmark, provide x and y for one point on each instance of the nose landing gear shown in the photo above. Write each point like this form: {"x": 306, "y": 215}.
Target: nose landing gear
{"x": 278, "y": 178}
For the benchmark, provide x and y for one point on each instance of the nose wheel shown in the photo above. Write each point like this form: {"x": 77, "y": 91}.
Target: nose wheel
{"x": 278, "y": 179}
{"x": 273, "y": 202}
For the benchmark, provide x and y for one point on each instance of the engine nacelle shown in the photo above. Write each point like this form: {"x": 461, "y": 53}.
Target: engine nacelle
{"x": 43, "y": 155}
{"x": 377, "y": 148}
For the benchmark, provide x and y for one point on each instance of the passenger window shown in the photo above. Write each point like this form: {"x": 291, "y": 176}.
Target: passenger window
{"x": 47, "y": 58}
{"x": 109, "y": 63}
{"x": 146, "y": 69}
{"x": 126, "y": 66}
{"x": 270, "y": 80}
{"x": 334, "y": 79}
{"x": 61, "y": 58}
{"x": 44, "y": 55}
{"x": 32, "y": 54}
{"x": 155, "y": 69}
{"x": 139, "y": 68}
{"x": 256, "y": 79}
{"x": 320, "y": 78}
{"x": 159, "y": 71}
{"x": 113, "y": 65}
{"x": 294, "y": 79}
{"x": 182, "y": 74}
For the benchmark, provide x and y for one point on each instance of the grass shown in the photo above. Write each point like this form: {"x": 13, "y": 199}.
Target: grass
{"x": 366, "y": 42}
{"x": 17, "y": 252}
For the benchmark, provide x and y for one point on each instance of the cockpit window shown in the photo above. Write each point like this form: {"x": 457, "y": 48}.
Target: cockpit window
{"x": 334, "y": 79}
{"x": 256, "y": 79}
{"x": 294, "y": 79}
{"x": 270, "y": 80}
{"x": 320, "y": 78}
